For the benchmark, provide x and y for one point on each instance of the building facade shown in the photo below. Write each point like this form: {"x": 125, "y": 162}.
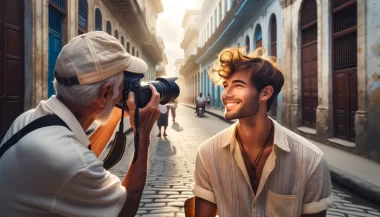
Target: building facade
{"x": 329, "y": 53}
{"x": 190, "y": 69}
{"x": 181, "y": 80}
{"x": 232, "y": 23}
{"x": 331, "y": 65}
{"x": 32, "y": 33}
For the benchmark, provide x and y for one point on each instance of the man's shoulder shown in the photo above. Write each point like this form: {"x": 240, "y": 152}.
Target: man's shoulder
{"x": 217, "y": 141}
{"x": 299, "y": 145}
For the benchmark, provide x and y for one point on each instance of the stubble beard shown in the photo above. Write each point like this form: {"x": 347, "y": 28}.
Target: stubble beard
{"x": 243, "y": 113}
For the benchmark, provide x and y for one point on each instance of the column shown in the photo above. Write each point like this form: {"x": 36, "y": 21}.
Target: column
{"x": 324, "y": 123}
{"x": 362, "y": 127}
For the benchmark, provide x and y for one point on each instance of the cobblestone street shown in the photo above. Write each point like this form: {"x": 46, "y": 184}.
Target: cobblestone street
{"x": 172, "y": 164}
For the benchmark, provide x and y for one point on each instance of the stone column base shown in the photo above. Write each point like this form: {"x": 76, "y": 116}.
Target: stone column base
{"x": 361, "y": 130}
{"x": 285, "y": 114}
{"x": 325, "y": 122}
{"x": 295, "y": 116}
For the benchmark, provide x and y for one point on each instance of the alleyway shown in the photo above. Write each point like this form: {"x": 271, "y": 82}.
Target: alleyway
{"x": 171, "y": 169}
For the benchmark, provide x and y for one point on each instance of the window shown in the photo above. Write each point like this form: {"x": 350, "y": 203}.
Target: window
{"x": 116, "y": 34}
{"x": 211, "y": 26}
{"x": 108, "y": 27}
{"x": 215, "y": 19}
{"x": 128, "y": 50}
{"x": 220, "y": 11}
{"x": 133, "y": 51}
{"x": 82, "y": 16}
{"x": 122, "y": 40}
{"x": 137, "y": 53}
{"x": 98, "y": 20}
{"x": 225, "y": 7}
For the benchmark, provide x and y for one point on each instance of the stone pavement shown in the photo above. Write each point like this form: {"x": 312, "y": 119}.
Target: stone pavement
{"x": 349, "y": 170}
{"x": 171, "y": 166}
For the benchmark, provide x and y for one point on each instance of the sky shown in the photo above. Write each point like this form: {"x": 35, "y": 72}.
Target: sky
{"x": 169, "y": 28}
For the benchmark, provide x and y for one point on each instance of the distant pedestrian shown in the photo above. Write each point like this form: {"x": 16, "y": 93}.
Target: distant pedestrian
{"x": 200, "y": 103}
{"x": 173, "y": 108}
{"x": 208, "y": 99}
{"x": 256, "y": 167}
{"x": 163, "y": 119}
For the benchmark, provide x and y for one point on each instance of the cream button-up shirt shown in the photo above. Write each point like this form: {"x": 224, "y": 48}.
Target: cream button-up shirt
{"x": 295, "y": 179}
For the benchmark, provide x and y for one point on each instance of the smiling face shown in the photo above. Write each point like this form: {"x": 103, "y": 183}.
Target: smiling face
{"x": 240, "y": 97}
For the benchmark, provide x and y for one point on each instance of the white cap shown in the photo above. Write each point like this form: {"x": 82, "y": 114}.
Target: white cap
{"x": 94, "y": 57}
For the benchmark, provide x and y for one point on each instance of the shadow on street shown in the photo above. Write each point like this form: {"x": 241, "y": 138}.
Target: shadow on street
{"x": 165, "y": 148}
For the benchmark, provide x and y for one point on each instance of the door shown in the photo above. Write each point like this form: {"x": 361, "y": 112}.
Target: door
{"x": 344, "y": 68}
{"x": 11, "y": 61}
{"x": 55, "y": 42}
{"x": 309, "y": 63}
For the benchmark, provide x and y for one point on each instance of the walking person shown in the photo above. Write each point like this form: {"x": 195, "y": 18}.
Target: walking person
{"x": 173, "y": 108}
{"x": 271, "y": 171}
{"x": 208, "y": 99}
{"x": 163, "y": 119}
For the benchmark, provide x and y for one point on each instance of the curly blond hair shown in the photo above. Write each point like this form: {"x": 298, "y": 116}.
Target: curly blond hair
{"x": 266, "y": 70}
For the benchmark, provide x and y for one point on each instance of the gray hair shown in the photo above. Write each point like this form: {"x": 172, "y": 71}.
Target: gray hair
{"x": 86, "y": 94}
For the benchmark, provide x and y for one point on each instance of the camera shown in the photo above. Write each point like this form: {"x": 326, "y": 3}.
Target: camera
{"x": 165, "y": 86}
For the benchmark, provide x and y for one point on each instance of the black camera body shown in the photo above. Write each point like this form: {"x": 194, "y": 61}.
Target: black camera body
{"x": 165, "y": 86}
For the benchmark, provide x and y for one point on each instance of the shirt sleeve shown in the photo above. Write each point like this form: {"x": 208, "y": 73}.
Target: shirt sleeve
{"x": 202, "y": 187}
{"x": 317, "y": 197}
{"x": 92, "y": 191}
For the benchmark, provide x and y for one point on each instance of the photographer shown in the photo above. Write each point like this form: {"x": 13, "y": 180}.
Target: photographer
{"x": 51, "y": 171}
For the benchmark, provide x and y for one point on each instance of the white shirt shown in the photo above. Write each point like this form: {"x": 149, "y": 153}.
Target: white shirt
{"x": 51, "y": 172}
{"x": 295, "y": 179}
{"x": 163, "y": 109}
{"x": 201, "y": 99}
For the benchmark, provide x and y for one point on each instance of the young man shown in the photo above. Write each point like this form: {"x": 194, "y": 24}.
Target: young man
{"x": 256, "y": 167}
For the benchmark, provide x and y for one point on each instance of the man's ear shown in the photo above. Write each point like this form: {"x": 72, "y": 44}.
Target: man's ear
{"x": 105, "y": 94}
{"x": 266, "y": 93}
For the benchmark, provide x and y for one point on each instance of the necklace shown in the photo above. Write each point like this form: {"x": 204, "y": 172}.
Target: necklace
{"x": 252, "y": 166}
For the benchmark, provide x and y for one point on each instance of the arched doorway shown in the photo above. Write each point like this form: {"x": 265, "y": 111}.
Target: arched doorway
{"x": 309, "y": 62}
{"x": 98, "y": 20}
{"x": 82, "y": 16}
{"x": 258, "y": 36}
{"x": 108, "y": 27}
{"x": 247, "y": 44}
{"x": 344, "y": 54}
{"x": 57, "y": 11}
{"x": 273, "y": 52}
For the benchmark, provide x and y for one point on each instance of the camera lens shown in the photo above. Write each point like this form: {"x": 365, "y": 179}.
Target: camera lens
{"x": 165, "y": 86}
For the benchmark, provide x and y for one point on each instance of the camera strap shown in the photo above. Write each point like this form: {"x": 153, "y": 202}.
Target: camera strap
{"x": 118, "y": 146}
{"x": 45, "y": 121}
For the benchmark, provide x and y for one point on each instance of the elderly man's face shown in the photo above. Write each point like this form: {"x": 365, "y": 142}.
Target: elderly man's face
{"x": 104, "y": 115}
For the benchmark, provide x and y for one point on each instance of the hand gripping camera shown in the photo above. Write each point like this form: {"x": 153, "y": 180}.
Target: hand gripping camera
{"x": 165, "y": 86}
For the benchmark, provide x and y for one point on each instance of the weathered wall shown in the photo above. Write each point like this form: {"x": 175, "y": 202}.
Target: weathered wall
{"x": 373, "y": 78}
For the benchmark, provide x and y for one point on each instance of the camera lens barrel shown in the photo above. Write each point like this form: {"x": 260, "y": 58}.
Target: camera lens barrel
{"x": 165, "y": 86}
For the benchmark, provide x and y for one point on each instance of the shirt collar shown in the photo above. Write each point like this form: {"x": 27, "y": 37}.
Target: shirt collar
{"x": 279, "y": 139}
{"x": 58, "y": 108}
